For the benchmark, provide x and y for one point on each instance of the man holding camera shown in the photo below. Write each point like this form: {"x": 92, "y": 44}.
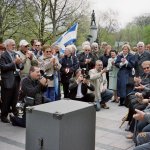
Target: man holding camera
{"x": 32, "y": 88}
{"x": 79, "y": 87}
{"x": 98, "y": 78}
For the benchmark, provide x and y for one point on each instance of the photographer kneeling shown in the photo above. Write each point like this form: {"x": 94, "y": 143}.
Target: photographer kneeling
{"x": 79, "y": 87}
{"x": 32, "y": 88}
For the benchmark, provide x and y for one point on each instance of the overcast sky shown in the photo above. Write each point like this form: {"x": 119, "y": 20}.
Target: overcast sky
{"x": 127, "y": 9}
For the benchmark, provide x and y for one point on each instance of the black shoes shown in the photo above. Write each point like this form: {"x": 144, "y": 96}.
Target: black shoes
{"x": 121, "y": 105}
{"x": 5, "y": 120}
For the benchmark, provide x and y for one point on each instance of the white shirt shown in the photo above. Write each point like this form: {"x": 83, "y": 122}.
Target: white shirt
{"x": 79, "y": 93}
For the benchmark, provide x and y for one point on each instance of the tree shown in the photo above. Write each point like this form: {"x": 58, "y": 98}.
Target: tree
{"x": 10, "y": 18}
{"x": 49, "y": 18}
{"x": 107, "y": 24}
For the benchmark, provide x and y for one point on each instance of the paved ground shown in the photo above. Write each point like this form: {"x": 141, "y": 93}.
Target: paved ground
{"x": 108, "y": 134}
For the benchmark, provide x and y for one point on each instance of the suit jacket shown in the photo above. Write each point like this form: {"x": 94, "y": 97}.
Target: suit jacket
{"x": 8, "y": 69}
{"x": 82, "y": 58}
{"x": 99, "y": 81}
{"x": 139, "y": 60}
{"x": 73, "y": 86}
{"x": 71, "y": 63}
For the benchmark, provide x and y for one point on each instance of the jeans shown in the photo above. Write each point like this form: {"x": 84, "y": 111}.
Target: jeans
{"x": 143, "y": 141}
{"x": 50, "y": 93}
{"x": 106, "y": 96}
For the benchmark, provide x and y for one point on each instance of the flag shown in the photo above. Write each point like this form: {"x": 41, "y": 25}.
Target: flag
{"x": 68, "y": 38}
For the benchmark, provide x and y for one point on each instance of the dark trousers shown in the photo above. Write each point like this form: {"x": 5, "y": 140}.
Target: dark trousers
{"x": 89, "y": 97}
{"x": 66, "y": 89}
{"x": 17, "y": 121}
{"x": 9, "y": 99}
{"x": 143, "y": 126}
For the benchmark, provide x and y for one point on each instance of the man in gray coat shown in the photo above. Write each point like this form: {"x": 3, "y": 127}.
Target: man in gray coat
{"x": 141, "y": 56}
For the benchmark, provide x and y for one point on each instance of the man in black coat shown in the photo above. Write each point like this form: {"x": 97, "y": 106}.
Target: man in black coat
{"x": 10, "y": 65}
{"x": 86, "y": 59}
{"x": 79, "y": 87}
{"x": 32, "y": 88}
{"x": 69, "y": 64}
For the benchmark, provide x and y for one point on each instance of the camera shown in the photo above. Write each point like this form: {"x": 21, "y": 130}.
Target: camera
{"x": 85, "y": 73}
{"x": 47, "y": 76}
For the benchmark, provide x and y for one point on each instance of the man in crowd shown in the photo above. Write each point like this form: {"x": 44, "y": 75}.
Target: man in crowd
{"x": 69, "y": 64}
{"x": 86, "y": 59}
{"x": 26, "y": 56}
{"x": 33, "y": 46}
{"x": 79, "y": 87}
{"x": 38, "y": 46}
{"x": 141, "y": 56}
{"x": 98, "y": 79}
{"x": 10, "y": 65}
{"x": 95, "y": 51}
{"x": 32, "y": 88}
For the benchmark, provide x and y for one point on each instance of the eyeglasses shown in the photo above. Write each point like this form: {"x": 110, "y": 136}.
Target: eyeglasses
{"x": 38, "y": 45}
{"x": 26, "y": 46}
{"x": 140, "y": 46}
{"x": 48, "y": 51}
{"x": 145, "y": 68}
{"x": 87, "y": 50}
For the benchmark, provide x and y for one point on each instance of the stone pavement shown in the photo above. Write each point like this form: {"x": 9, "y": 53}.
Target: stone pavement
{"x": 108, "y": 134}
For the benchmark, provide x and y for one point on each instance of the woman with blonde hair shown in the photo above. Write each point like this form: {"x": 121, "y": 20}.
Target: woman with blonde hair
{"x": 125, "y": 63}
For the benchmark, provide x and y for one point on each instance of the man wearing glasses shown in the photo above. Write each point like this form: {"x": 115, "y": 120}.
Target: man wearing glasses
{"x": 141, "y": 56}
{"x": 39, "y": 49}
{"x": 86, "y": 59}
{"x": 26, "y": 56}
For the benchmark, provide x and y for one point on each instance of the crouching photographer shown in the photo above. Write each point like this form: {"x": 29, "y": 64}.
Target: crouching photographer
{"x": 79, "y": 87}
{"x": 31, "y": 92}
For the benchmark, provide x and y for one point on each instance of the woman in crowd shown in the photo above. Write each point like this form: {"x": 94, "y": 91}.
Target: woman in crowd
{"x": 113, "y": 70}
{"x": 125, "y": 63}
{"x": 104, "y": 58}
{"x": 48, "y": 65}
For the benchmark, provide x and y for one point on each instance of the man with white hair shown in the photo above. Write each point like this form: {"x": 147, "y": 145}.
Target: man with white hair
{"x": 26, "y": 56}
{"x": 69, "y": 66}
{"x": 95, "y": 51}
{"x": 10, "y": 65}
{"x": 141, "y": 56}
{"x": 86, "y": 59}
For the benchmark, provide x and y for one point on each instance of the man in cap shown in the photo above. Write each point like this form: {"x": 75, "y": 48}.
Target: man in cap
{"x": 26, "y": 56}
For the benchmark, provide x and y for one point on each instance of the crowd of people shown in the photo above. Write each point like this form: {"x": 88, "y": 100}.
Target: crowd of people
{"x": 95, "y": 74}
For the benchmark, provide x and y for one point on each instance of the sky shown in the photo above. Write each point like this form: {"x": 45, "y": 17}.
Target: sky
{"x": 127, "y": 9}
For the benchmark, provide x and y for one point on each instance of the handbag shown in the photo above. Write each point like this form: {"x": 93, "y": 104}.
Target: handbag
{"x": 29, "y": 101}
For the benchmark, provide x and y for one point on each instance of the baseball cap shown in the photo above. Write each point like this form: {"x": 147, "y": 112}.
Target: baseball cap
{"x": 23, "y": 43}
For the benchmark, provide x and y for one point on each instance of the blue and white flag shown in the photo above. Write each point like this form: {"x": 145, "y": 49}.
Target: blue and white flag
{"x": 68, "y": 38}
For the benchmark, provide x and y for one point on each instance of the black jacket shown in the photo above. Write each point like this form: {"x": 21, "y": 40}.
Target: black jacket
{"x": 8, "y": 69}
{"x": 73, "y": 86}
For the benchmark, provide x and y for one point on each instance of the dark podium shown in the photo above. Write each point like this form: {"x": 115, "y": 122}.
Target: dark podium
{"x": 61, "y": 125}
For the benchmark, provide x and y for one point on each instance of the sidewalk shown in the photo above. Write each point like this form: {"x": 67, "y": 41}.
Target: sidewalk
{"x": 108, "y": 134}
